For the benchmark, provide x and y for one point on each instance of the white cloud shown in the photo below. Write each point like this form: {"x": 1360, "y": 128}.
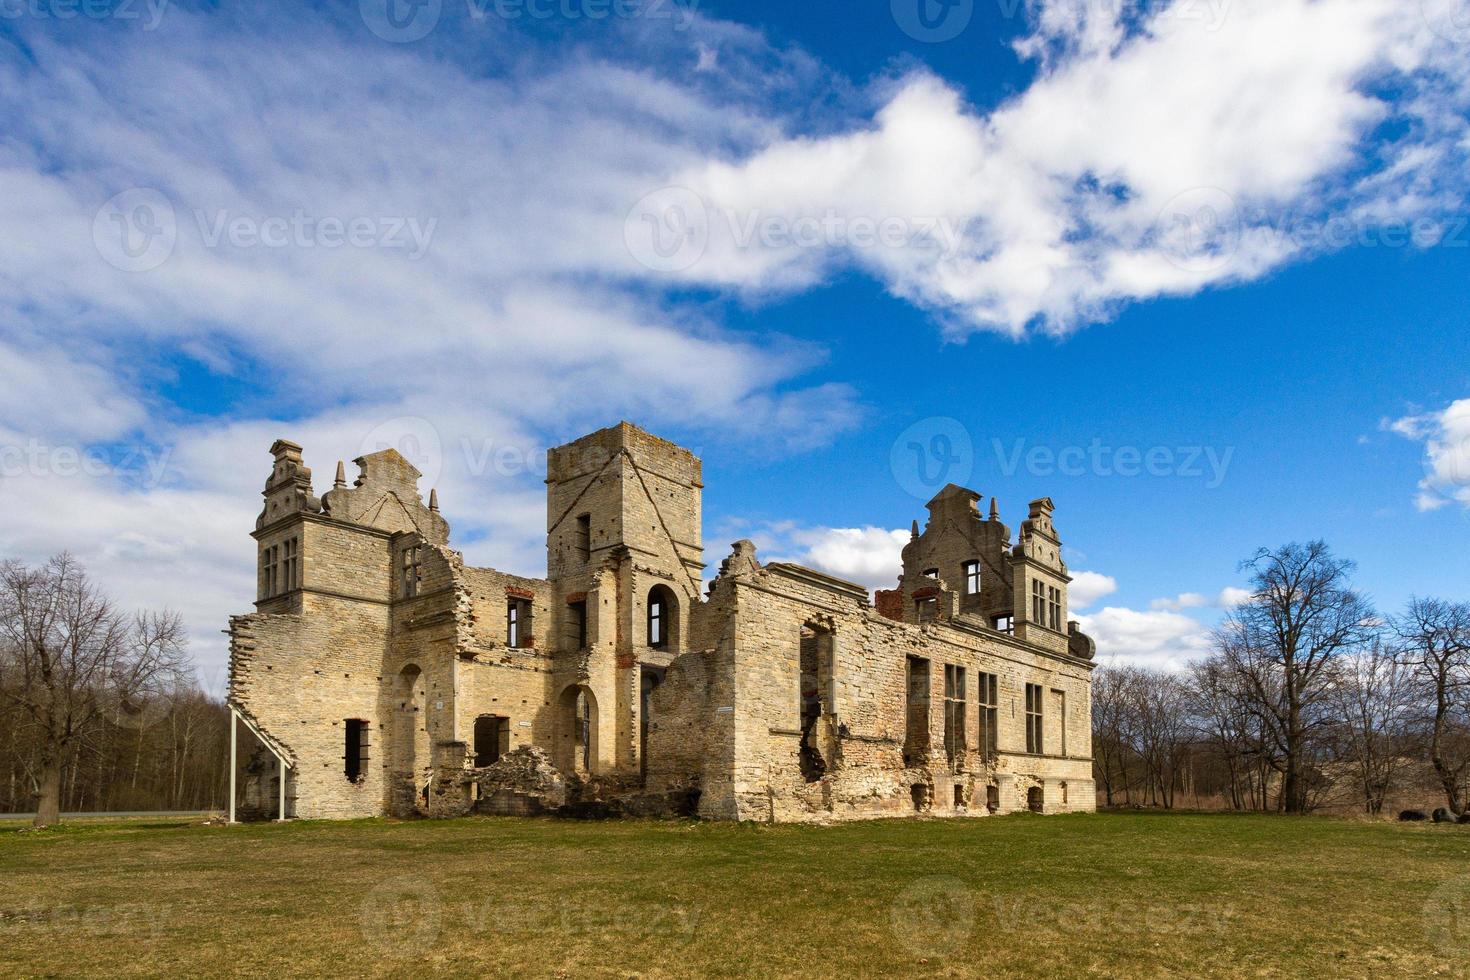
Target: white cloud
{"x": 513, "y": 330}
{"x": 1152, "y": 158}
{"x": 1224, "y": 599}
{"x": 1185, "y": 600}
{"x": 870, "y": 556}
{"x": 1446, "y": 438}
{"x": 1156, "y": 638}
{"x": 1088, "y": 587}
{"x": 1230, "y": 596}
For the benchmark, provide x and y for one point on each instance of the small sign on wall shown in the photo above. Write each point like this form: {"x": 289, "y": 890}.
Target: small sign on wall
{"x": 438, "y": 705}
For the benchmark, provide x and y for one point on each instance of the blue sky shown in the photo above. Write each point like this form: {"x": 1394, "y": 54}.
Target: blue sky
{"x": 1227, "y": 236}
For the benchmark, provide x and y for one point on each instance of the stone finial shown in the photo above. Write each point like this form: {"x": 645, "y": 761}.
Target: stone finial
{"x": 914, "y": 531}
{"x": 434, "y": 500}
{"x": 994, "y": 509}
{"x": 341, "y": 482}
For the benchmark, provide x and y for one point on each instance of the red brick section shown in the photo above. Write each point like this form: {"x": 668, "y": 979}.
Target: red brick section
{"x": 575, "y": 597}
{"x": 889, "y": 603}
{"x": 516, "y": 593}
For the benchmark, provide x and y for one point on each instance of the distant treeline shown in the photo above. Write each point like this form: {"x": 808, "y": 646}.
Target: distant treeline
{"x": 1308, "y": 698}
{"x": 99, "y": 709}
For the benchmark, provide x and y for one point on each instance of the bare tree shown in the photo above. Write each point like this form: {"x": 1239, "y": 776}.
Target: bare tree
{"x": 1435, "y": 637}
{"x": 1370, "y": 694}
{"x": 1109, "y": 725}
{"x": 1283, "y": 641}
{"x": 1163, "y": 730}
{"x": 69, "y": 659}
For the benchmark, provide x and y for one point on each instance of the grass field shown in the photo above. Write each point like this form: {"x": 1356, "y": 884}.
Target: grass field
{"x": 1118, "y": 894}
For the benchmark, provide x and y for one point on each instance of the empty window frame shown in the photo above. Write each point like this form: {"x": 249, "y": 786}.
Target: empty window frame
{"x": 660, "y": 617}
{"x": 268, "y": 572}
{"x": 412, "y": 574}
{"x": 291, "y": 564}
{"x": 972, "y": 577}
{"x": 1038, "y": 602}
{"x": 927, "y": 609}
{"x": 356, "y": 749}
{"x": 1033, "y": 719}
{"x": 577, "y": 623}
{"x": 582, "y": 537}
{"x": 954, "y": 713}
{"x": 517, "y": 623}
{"x": 989, "y": 703}
{"x": 1054, "y": 608}
{"x": 492, "y": 739}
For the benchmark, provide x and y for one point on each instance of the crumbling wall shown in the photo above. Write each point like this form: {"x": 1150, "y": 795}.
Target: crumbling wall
{"x": 870, "y": 777}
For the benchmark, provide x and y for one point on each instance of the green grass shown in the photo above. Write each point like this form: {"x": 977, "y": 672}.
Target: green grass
{"x": 1133, "y": 894}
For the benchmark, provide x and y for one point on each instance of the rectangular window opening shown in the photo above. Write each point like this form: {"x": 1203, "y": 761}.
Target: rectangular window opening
{"x": 356, "y": 739}
{"x": 972, "y": 578}
{"x": 1033, "y": 719}
{"x": 954, "y": 713}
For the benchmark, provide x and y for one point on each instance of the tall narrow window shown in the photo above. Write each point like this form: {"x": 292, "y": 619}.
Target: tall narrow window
{"x": 1038, "y": 602}
{"x": 269, "y": 571}
{"x": 291, "y": 565}
{"x": 989, "y": 715}
{"x": 356, "y": 749}
{"x": 660, "y": 617}
{"x": 577, "y": 623}
{"x": 1054, "y": 608}
{"x": 582, "y": 540}
{"x": 1033, "y": 719}
{"x": 972, "y": 578}
{"x": 916, "y": 713}
{"x": 411, "y": 573}
{"x": 954, "y": 713}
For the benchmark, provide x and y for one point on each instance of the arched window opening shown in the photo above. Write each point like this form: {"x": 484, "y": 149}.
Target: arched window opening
{"x": 661, "y": 617}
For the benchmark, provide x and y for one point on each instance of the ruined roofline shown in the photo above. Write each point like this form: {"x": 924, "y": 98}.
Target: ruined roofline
{"x": 828, "y": 582}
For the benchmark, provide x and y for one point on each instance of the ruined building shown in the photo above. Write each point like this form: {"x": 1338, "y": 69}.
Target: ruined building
{"x": 380, "y": 674}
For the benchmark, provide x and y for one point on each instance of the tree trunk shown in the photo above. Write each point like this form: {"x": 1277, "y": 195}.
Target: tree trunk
{"x": 48, "y": 806}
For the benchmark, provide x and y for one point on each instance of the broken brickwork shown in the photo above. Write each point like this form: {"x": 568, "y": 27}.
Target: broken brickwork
{"x": 398, "y": 680}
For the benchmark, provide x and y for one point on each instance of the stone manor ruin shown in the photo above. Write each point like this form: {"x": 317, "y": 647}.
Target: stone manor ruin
{"x": 380, "y": 675}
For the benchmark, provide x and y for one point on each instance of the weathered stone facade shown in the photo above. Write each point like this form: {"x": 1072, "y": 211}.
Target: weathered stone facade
{"x": 391, "y": 678}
